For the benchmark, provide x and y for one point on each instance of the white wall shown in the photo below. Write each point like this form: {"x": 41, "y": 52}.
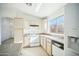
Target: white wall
{"x": 6, "y": 30}
{"x": 57, "y": 13}
{"x": 33, "y": 23}
{"x": 0, "y": 31}
{"x": 8, "y": 11}
{"x": 0, "y": 25}
{"x": 71, "y": 27}
{"x": 44, "y": 25}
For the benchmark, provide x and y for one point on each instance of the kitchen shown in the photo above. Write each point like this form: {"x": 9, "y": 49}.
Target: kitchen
{"x": 37, "y": 25}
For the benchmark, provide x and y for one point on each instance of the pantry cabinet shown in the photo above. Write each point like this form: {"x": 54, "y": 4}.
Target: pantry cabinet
{"x": 18, "y": 30}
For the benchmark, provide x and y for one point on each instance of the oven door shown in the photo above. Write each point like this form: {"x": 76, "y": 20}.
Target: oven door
{"x": 57, "y": 50}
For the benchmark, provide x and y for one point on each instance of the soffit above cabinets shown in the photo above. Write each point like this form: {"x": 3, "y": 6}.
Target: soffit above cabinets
{"x": 36, "y": 9}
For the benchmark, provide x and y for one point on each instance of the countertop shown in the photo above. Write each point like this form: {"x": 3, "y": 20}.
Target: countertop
{"x": 55, "y": 38}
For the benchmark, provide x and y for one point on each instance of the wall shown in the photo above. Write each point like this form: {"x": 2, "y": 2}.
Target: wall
{"x": 0, "y": 31}
{"x": 31, "y": 22}
{"x": 71, "y": 27}
{"x": 6, "y": 29}
{"x": 45, "y": 26}
{"x": 6, "y": 15}
{"x": 0, "y": 25}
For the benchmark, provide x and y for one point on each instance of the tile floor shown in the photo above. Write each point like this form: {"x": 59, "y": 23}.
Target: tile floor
{"x": 9, "y": 48}
{"x": 34, "y": 51}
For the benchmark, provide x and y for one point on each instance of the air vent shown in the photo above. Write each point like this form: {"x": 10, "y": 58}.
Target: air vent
{"x": 45, "y": 17}
{"x": 34, "y": 25}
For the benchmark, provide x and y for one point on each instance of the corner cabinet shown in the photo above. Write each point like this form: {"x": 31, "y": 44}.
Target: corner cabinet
{"x": 46, "y": 44}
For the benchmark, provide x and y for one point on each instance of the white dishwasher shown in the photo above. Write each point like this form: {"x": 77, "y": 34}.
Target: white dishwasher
{"x": 57, "y": 50}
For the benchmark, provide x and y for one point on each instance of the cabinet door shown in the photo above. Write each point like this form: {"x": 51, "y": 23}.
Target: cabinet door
{"x": 42, "y": 41}
{"x": 45, "y": 43}
{"x": 49, "y": 47}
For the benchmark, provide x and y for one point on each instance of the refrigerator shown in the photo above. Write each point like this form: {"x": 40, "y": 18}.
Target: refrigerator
{"x": 71, "y": 29}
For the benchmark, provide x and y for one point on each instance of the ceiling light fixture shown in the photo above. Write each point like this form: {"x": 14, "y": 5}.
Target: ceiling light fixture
{"x": 29, "y": 4}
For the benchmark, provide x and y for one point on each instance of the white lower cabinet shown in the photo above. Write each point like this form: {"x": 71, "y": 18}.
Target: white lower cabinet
{"x": 42, "y": 42}
{"x": 46, "y": 45}
{"x": 49, "y": 48}
{"x": 57, "y": 51}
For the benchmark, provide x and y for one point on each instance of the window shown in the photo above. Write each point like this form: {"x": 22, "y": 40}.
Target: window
{"x": 56, "y": 25}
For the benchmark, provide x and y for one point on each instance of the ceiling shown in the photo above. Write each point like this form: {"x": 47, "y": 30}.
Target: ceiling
{"x": 44, "y": 9}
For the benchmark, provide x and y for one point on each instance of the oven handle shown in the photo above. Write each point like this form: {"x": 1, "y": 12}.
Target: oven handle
{"x": 58, "y": 45}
